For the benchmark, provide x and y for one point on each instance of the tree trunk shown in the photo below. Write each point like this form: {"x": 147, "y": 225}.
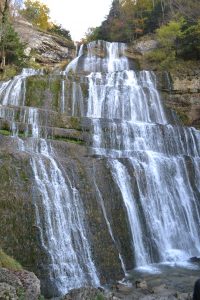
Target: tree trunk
{"x": 4, "y": 21}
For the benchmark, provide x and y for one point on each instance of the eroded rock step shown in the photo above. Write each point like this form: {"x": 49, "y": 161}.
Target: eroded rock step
{"x": 24, "y": 130}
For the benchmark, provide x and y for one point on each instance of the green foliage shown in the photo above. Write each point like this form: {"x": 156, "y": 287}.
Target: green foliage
{"x": 8, "y": 262}
{"x": 5, "y": 132}
{"x": 93, "y": 34}
{"x": 100, "y": 296}
{"x": 14, "y": 49}
{"x": 168, "y": 34}
{"x": 37, "y": 13}
{"x": 129, "y": 20}
{"x": 9, "y": 72}
{"x": 189, "y": 41}
{"x": 59, "y": 30}
{"x": 21, "y": 294}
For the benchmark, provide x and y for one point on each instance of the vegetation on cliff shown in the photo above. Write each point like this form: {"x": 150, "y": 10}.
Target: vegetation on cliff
{"x": 13, "y": 54}
{"x": 8, "y": 262}
{"x": 175, "y": 24}
{"x": 11, "y": 49}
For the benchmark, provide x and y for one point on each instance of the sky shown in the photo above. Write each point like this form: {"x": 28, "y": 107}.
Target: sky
{"x": 78, "y": 15}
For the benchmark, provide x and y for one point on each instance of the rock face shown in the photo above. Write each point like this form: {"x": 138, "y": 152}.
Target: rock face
{"x": 42, "y": 47}
{"x": 18, "y": 285}
{"x": 181, "y": 92}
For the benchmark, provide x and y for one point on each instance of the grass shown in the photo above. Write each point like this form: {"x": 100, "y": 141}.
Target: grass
{"x": 9, "y": 72}
{"x": 68, "y": 140}
{"x": 5, "y": 132}
{"x": 8, "y": 262}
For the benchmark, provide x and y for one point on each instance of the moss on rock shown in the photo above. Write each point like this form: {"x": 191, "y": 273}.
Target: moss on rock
{"x": 8, "y": 262}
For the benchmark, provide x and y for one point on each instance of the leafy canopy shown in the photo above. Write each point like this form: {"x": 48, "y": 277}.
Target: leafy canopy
{"x": 37, "y": 13}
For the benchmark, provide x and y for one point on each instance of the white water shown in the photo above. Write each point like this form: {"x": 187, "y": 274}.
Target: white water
{"x": 129, "y": 121}
{"x": 59, "y": 210}
{"x": 122, "y": 179}
{"x": 73, "y": 64}
{"x": 155, "y": 165}
{"x": 62, "y": 103}
{"x": 63, "y": 233}
{"x": 123, "y": 95}
{"x": 12, "y": 91}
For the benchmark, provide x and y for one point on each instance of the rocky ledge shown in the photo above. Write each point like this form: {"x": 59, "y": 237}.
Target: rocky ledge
{"x": 181, "y": 93}
{"x": 141, "y": 291}
{"x": 43, "y": 47}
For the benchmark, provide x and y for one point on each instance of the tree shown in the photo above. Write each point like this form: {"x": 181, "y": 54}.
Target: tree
{"x": 169, "y": 34}
{"x": 189, "y": 41}
{"x": 14, "y": 49}
{"x": 11, "y": 49}
{"x": 93, "y": 34}
{"x": 37, "y": 13}
{"x": 59, "y": 30}
{"x": 189, "y": 9}
{"x": 4, "y": 9}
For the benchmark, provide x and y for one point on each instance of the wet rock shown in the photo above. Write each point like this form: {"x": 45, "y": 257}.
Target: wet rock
{"x": 124, "y": 288}
{"x": 154, "y": 297}
{"x": 159, "y": 289}
{"x": 86, "y": 293}
{"x": 90, "y": 293}
{"x": 141, "y": 284}
{"x": 195, "y": 259}
{"x": 184, "y": 296}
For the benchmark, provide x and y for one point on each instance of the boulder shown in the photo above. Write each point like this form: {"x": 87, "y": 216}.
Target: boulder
{"x": 7, "y": 292}
{"x": 14, "y": 284}
{"x": 10, "y": 278}
{"x": 30, "y": 283}
{"x": 146, "y": 46}
{"x": 85, "y": 293}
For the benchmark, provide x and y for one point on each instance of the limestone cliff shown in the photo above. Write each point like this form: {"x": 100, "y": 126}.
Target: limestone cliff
{"x": 42, "y": 47}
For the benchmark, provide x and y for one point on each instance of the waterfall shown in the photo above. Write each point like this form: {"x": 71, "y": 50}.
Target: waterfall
{"x": 130, "y": 122}
{"x": 73, "y": 64}
{"x": 60, "y": 214}
{"x": 63, "y": 233}
{"x": 152, "y": 163}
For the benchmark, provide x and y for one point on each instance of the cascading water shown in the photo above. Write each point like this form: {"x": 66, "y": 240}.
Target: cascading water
{"x": 131, "y": 129}
{"x": 59, "y": 212}
{"x": 152, "y": 164}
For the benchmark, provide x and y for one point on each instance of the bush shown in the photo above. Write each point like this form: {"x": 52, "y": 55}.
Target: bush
{"x": 59, "y": 30}
{"x": 11, "y": 47}
{"x": 37, "y": 13}
{"x": 189, "y": 41}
